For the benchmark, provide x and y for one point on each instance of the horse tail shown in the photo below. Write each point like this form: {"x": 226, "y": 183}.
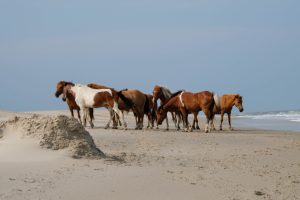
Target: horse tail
{"x": 212, "y": 105}
{"x": 127, "y": 101}
{"x": 217, "y": 101}
{"x": 147, "y": 105}
{"x": 91, "y": 113}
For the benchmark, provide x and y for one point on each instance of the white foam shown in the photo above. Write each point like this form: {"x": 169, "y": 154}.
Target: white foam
{"x": 293, "y": 116}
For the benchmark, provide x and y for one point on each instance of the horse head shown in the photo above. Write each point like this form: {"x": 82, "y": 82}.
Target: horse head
{"x": 156, "y": 93}
{"x": 161, "y": 115}
{"x": 60, "y": 88}
{"x": 238, "y": 102}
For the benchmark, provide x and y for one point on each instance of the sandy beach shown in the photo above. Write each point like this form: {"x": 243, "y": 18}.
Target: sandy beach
{"x": 154, "y": 164}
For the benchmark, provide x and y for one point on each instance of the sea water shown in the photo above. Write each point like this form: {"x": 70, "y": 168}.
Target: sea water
{"x": 281, "y": 120}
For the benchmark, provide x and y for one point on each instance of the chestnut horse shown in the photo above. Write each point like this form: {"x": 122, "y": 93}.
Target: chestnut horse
{"x": 70, "y": 99}
{"x": 224, "y": 104}
{"x": 164, "y": 94}
{"x": 87, "y": 97}
{"x": 187, "y": 103}
{"x": 136, "y": 102}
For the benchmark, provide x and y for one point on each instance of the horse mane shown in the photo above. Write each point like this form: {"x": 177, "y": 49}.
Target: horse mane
{"x": 176, "y": 93}
{"x": 69, "y": 83}
{"x": 166, "y": 92}
{"x": 171, "y": 97}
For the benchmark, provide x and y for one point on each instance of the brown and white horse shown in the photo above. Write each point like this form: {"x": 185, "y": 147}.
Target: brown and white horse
{"x": 187, "y": 103}
{"x": 224, "y": 104}
{"x": 87, "y": 97}
{"x": 136, "y": 101}
{"x": 70, "y": 99}
{"x": 164, "y": 94}
{"x": 115, "y": 117}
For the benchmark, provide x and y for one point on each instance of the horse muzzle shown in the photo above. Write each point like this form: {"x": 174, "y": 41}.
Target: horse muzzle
{"x": 242, "y": 109}
{"x": 64, "y": 99}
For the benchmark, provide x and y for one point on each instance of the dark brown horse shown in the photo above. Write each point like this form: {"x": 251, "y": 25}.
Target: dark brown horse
{"x": 224, "y": 104}
{"x": 70, "y": 99}
{"x": 139, "y": 104}
{"x": 151, "y": 111}
{"x": 187, "y": 103}
{"x": 164, "y": 94}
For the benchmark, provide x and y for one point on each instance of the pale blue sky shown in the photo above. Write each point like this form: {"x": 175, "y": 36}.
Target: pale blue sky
{"x": 251, "y": 47}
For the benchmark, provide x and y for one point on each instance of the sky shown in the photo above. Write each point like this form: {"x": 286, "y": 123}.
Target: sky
{"x": 250, "y": 47}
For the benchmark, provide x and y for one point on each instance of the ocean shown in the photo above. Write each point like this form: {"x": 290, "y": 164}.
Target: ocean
{"x": 280, "y": 120}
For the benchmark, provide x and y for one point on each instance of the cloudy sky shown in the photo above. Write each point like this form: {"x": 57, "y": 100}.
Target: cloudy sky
{"x": 233, "y": 46}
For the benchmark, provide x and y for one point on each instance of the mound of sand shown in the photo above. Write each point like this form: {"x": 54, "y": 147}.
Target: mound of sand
{"x": 55, "y": 132}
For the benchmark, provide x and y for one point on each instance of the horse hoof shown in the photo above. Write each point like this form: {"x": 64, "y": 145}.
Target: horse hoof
{"x": 114, "y": 127}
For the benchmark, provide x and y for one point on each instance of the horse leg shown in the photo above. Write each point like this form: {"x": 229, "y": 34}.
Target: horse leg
{"x": 118, "y": 118}
{"x": 196, "y": 120}
{"x": 84, "y": 116}
{"x": 208, "y": 118}
{"x": 148, "y": 125}
{"x": 111, "y": 113}
{"x": 120, "y": 113}
{"x": 167, "y": 121}
{"x": 72, "y": 112}
{"x": 212, "y": 125}
{"x": 229, "y": 121}
{"x": 179, "y": 119}
{"x": 142, "y": 124}
{"x": 185, "y": 120}
{"x": 79, "y": 117}
{"x": 174, "y": 118}
{"x": 222, "y": 117}
{"x": 88, "y": 117}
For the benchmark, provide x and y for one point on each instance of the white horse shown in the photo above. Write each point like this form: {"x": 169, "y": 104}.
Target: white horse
{"x": 87, "y": 97}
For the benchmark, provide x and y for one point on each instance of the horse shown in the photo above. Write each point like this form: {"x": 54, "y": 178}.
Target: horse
{"x": 187, "y": 103}
{"x": 224, "y": 104}
{"x": 151, "y": 114}
{"x": 136, "y": 102}
{"x": 87, "y": 97}
{"x": 70, "y": 99}
{"x": 140, "y": 104}
{"x": 164, "y": 94}
{"x": 115, "y": 117}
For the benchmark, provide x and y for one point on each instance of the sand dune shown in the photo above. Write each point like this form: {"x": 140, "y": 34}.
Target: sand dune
{"x": 153, "y": 164}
